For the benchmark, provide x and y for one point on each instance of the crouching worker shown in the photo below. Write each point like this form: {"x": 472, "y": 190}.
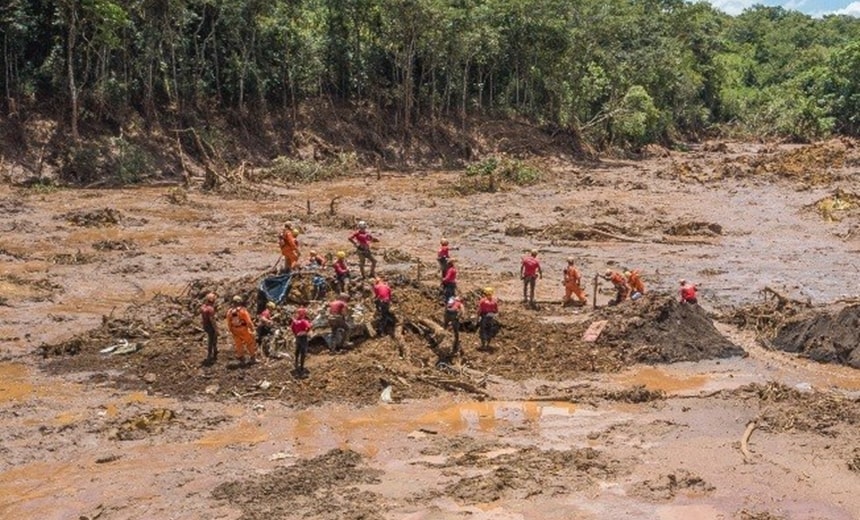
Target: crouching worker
{"x": 620, "y": 284}
{"x": 337, "y": 313}
{"x": 301, "y": 327}
{"x": 688, "y": 293}
{"x": 265, "y": 327}
{"x": 341, "y": 273}
{"x": 242, "y": 328}
{"x": 488, "y": 309}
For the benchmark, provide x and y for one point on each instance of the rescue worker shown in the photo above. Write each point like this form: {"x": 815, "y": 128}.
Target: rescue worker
{"x": 382, "y": 299}
{"x": 620, "y": 284}
{"x": 443, "y": 254}
{"x": 634, "y": 281}
{"x": 453, "y": 313}
{"x": 301, "y": 327}
{"x": 265, "y": 326}
{"x": 316, "y": 260}
{"x": 488, "y": 309}
{"x": 572, "y": 280}
{"x": 362, "y": 239}
{"x": 289, "y": 247}
{"x": 530, "y": 271}
{"x": 337, "y": 314}
{"x": 341, "y": 273}
{"x": 242, "y": 328}
{"x": 449, "y": 281}
{"x": 688, "y": 292}
{"x": 207, "y": 317}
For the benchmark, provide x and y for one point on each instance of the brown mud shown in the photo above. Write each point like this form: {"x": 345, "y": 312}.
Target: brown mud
{"x": 542, "y": 426}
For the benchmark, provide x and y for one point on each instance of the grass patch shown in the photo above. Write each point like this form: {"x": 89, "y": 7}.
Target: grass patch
{"x": 497, "y": 173}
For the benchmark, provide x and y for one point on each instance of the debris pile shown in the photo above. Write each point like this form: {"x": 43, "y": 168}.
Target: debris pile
{"x": 828, "y": 335}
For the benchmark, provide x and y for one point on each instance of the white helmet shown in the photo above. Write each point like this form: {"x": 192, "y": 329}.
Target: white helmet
{"x": 362, "y": 224}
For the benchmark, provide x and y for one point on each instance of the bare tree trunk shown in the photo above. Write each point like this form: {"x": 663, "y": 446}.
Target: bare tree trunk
{"x": 70, "y": 57}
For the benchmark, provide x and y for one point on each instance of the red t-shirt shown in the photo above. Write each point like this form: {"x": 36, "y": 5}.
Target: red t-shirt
{"x": 207, "y": 315}
{"x": 488, "y": 305}
{"x": 362, "y": 238}
{"x": 382, "y": 292}
{"x": 337, "y": 307}
{"x": 340, "y": 267}
{"x": 450, "y": 275}
{"x": 444, "y": 252}
{"x": 530, "y": 266}
{"x": 688, "y": 292}
{"x": 300, "y": 327}
{"x": 455, "y": 306}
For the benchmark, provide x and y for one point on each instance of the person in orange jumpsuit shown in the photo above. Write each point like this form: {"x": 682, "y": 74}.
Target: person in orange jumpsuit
{"x": 572, "y": 279}
{"x": 242, "y": 328}
{"x": 289, "y": 246}
{"x": 634, "y": 281}
{"x": 620, "y": 284}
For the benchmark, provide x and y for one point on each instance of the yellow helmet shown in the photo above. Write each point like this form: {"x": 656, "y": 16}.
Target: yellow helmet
{"x": 489, "y": 291}
{"x": 271, "y": 305}
{"x": 341, "y": 254}
{"x": 444, "y": 241}
{"x": 295, "y": 232}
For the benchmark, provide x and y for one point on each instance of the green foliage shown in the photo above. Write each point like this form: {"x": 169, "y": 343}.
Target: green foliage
{"x": 288, "y": 169}
{"x": 497, "y": 173}
{"x": 130, "y": 162}
{"x": 638, "y": 121}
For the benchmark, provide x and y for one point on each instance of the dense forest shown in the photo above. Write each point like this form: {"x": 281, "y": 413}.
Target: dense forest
{"x": 618, "y": 73}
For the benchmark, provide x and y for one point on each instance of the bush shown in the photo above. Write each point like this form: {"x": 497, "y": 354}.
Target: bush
{"x": 497, "y": 173}
{"x": 288, "y": 169}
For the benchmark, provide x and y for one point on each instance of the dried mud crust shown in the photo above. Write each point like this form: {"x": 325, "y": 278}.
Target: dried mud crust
{"x": 484, "y": 473}
{"x": 666, "y": 487}
{"x": 325, "y": 487}
{"x": 168, "y": 347}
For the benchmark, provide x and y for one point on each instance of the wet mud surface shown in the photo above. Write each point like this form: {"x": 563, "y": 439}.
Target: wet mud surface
{"x": 674, "y": 412}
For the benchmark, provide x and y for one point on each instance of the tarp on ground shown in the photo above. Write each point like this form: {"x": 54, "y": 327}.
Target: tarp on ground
{"x": 276, "y": 287}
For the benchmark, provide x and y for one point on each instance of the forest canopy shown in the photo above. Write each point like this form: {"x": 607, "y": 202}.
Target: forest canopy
{"x": 609, "y": 72}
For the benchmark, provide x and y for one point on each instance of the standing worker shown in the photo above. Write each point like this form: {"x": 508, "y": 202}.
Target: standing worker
{"x": 453, "y": 313}
{"x": 530, "y": 271}
{"x": 289, "y": 247}
{"x": 301, "y": 327}
{"x": 442, "y": 255}
{"x": 688, "y": 292}
{"x": 337, "y": 313}
{"x": 634, "y": 281}
{"x": 620, "y": 284}
{"x": 382, "y": 299}
{"x": 449, "y": 281}
{"x": 362, "y": 239}
{"x": 265, "y": 326}
{"x": 572, "y": 280}
{"x": 488, "y": 309}
{"x": 207, "y": 316}
{"x": 242, "y": 328}
{"x": 341, "y": 273}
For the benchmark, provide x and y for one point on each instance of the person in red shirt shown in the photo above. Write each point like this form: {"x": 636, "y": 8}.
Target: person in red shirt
{"x": 382, "y": 299}
{"x": 337, "y": 314}
{"x": 301, "y": 327}
{"x": 362, "y": 239}
{"x": 442, "y": 255}
{"x": 488, "y": 310}
{"x": 620, "y": 284}
{"x": 572, "y": 280}
{"x": 316, "y": 260}
{"x": 688, "y": 292}
{"x": 341, "y": 273}
{"x": 207, "y": 317}
{"x": 453, "y": 313}
{"x": 449, "y": 281}
{"x": 242, "y": 328}
{"x": 530, "y": 271}
{"x": 265, "y": 326}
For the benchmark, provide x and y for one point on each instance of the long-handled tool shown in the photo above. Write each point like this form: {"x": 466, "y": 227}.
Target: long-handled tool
{"x": 594, "y": 297}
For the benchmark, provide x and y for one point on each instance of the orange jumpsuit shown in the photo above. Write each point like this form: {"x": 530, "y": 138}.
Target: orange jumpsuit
{"x": 635, "y": 282}
{"x": 241, "y": 327}
{"x": 572, "y": 277}
{"x": 621, "y": 289}
{"x": 289, "y": 248}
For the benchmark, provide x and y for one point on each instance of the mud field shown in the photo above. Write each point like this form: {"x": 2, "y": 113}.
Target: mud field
{"x": 709, "y": 412}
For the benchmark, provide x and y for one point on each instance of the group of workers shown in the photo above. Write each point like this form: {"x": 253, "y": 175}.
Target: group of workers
{"x": 247, "y": 339}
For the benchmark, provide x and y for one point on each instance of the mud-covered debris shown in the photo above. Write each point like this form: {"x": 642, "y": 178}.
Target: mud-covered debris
{"x": 828, "y": 335}
{"x": 94, "y": 218}
{"x": 745, "y": 514}
{"x": 141, "y": 426}
{"x": 115, "y": 245}
{"x": 76, "y": 258}
{"x": 694, "y": 228}
{"x": 665, "y": 487}
{"x": 324, "y": 487}
{"x": 854, "y": 460}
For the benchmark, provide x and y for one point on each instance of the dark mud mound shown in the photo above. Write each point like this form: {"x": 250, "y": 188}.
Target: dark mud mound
{"x": 830, "y": 335}
{"x": 659, "y": 329}
{"x": 324, "y": 487}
